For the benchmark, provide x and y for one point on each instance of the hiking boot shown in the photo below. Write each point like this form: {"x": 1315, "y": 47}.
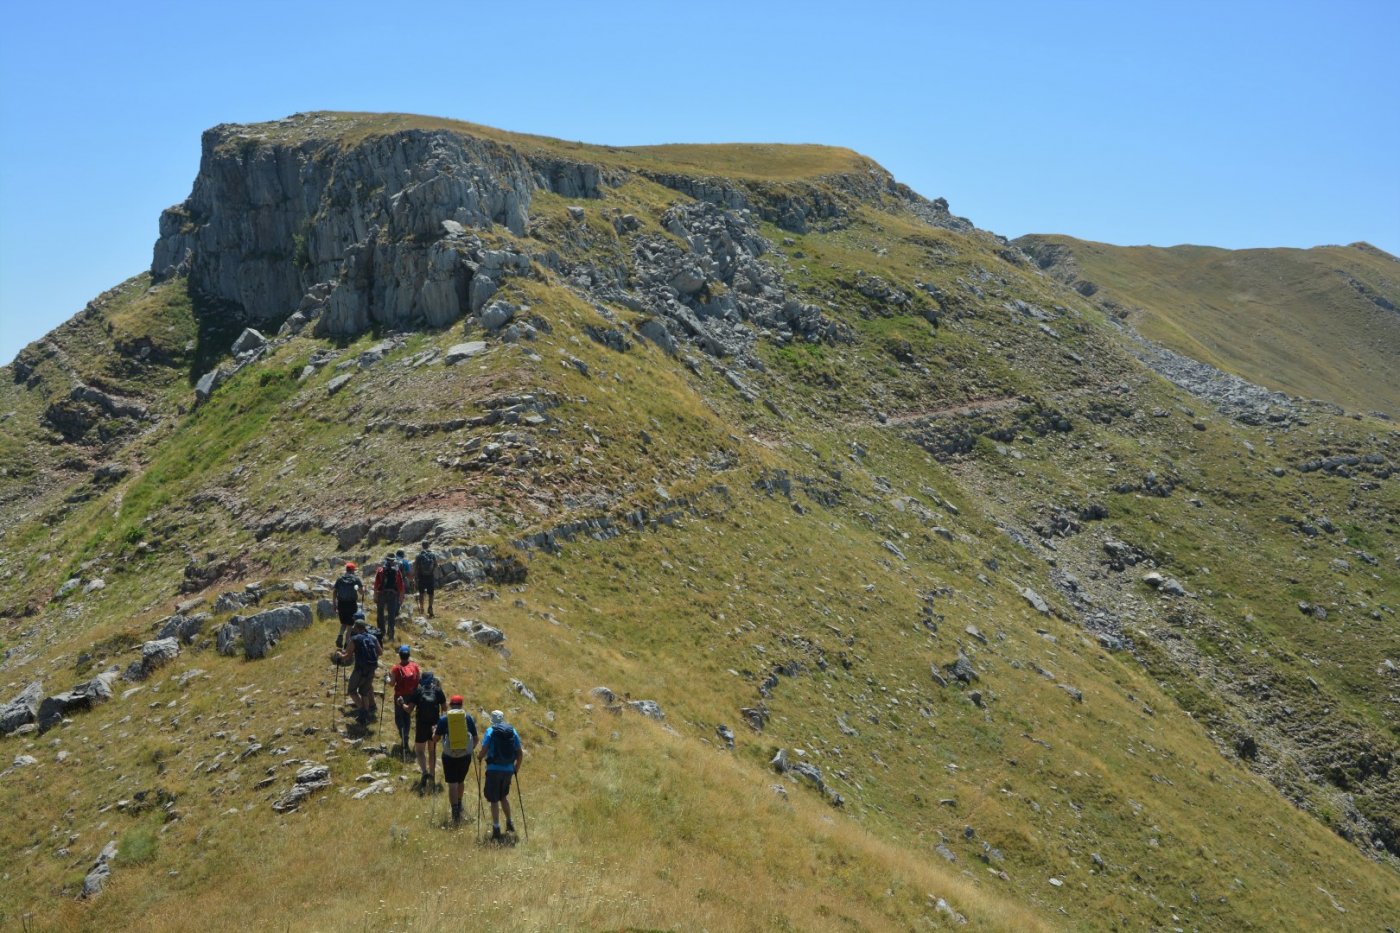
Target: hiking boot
{"x": 496, "y": 833}
{"x": 457, "y": 813}
{"x": 510, "y": 827}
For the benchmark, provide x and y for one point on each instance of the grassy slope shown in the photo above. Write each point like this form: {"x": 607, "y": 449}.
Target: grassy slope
{"x": 633, "y": 825}
{"x": 1289, "y": 319}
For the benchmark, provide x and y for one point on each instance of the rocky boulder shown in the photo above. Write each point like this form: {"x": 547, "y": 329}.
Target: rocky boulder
{"x": 23, "y": 709}
{"x": 309, "y": 779}
{"x": 258, "y": 633}
{"x": 96, "y": 878}
{"x": 648, "y": 708}
{"x": 153, "y": 655}
{"x": 481, "y": 633}
{"x": 182, "y": 627}
{"x": 82, "y": 697}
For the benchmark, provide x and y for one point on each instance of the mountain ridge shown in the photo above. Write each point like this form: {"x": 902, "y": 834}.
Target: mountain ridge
{"x": 951, "y": 609}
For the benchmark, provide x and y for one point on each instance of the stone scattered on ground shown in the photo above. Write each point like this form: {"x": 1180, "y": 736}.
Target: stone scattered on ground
{"x": 463, "y": 351}
{"x": 481, "y": 633}
{"x": 309, "y": 779}
{"x": 1037, "y": 603}
{"x": 378, "y": 786}
{"x": 520, "y": 688}
{"x": 648, "y": 708}
{"x": 101, "y": 870}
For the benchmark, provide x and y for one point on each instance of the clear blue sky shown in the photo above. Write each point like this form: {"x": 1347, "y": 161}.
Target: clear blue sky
{"x": 1234, "y": 124}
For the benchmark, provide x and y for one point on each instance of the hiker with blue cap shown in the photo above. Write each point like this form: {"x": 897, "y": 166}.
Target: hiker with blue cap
{"x": 404, "y": 676}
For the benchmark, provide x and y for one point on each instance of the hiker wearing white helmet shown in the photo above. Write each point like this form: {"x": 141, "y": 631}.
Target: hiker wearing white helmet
{"x": 503, "y": 753}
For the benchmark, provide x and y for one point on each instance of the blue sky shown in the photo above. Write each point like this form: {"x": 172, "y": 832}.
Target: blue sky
{"x": 1234, "y": 124}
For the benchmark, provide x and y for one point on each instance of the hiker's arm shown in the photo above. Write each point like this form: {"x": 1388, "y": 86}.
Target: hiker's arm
{"x": 519, "y": 756}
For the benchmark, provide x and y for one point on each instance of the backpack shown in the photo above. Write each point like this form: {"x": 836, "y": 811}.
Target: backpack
{"x": 389, "y": 579}
{"x": 409, "y": 679}
{"x": 346, "y": 588}
{"x": 457, "y": 730}
{"x": 426, "y": 562}
{"x": 366, "y": 651}
{"x": 501, "y": 750}
{"x": 427, "y": 697}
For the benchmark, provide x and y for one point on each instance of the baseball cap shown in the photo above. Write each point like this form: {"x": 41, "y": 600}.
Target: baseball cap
{"x": 497, "y": 717}
{"x": 403, "y": 650}
{"x": 349, "y": 565}
{"x": 456, "y": 700}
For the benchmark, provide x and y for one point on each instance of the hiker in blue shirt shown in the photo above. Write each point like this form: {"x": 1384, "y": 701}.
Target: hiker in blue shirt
{"x": 502, "y": 752}
{"x": 364, "y": 649}
{"x": 457, "y": 730}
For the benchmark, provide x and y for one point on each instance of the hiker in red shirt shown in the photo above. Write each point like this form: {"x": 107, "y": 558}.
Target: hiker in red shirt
{"x": 404, "y": 676}
{"x": 389, "y": 587}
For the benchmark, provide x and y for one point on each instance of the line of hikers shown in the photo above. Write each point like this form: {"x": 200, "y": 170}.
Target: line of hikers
{"x": 419, "y": 700}
{"x": 393, "y": 579}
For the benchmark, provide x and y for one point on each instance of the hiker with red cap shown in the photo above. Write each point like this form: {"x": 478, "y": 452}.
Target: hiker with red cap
{"x": 457, "y": 730}
{"x": 346, "y": 595}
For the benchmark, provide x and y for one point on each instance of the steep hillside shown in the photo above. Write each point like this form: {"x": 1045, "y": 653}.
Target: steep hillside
{"x": 1321, "y": 323}
{"x": 950, "y": 609}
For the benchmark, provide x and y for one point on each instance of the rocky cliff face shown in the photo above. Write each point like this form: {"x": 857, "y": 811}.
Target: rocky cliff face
{"x": 365, "y": 232}
{"x": 380, "y": 231}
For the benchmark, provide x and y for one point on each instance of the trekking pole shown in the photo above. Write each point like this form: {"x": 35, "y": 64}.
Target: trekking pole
{"x": 432, "y": 792}
{"x": 520, "y": 797}
{"x": 478, "y": 801}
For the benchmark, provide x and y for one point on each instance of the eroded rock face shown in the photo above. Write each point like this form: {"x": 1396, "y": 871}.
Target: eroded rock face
{"x": 23, "y": 709}
{"x": 354, "y": 235}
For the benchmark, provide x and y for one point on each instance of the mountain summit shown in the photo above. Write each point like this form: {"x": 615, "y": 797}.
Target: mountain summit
{"x": 838, "y": 563}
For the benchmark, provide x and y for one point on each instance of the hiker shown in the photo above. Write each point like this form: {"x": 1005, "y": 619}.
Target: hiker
{"x": 406, "y": 569}
{"x": 404, "y": 676}
{"x": 502, "y": 752}
{"x": 428, "y": 704}
{"x": 364, "y": 648}
{"x": 425, "y": 564}
{"x": 388, "y": 593}
{"x": 346, "y": 596}
{"x": 457, "y": 730}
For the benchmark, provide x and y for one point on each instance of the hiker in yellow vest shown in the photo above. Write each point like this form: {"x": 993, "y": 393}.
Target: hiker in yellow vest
{"x": 457, "y": 730}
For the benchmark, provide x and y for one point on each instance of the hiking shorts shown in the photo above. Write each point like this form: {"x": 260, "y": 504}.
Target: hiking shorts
{"x": 497, "y": 785}
{"x": 426, "y": 583}
{"x": 362, "y": 682}
{"x": 347, "y": 612}
{"x": 454, "y": 767}
{"x": 423, "y": 730}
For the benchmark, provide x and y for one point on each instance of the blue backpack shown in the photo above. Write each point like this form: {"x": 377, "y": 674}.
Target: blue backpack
{"x": 366, "y": 651}
{"x": 504, "y": 744}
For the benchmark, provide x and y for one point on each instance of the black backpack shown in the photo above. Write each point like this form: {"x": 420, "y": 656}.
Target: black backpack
{"x": 347, "y": 588}
{"x": 390, "y": 579}
{"x": 426, "y": 564}
{"x": 427, "y": 697}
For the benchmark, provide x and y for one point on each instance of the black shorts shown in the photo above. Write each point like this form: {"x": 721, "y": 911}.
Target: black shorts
{"x": 454, "y": 768}
{"x": 426, "y": 584}
{"x": 497, "y": 785}
{"x": 423, "y": 730}
{"x": 347, "y": 612}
